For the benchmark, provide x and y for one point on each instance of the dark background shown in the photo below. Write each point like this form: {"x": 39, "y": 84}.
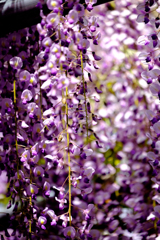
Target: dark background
{"x": 20, "y": 14}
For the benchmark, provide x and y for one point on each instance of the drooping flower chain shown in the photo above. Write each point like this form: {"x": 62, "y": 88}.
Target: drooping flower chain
{"x": 149, "y": 14}
{"x": 45, "y": 102}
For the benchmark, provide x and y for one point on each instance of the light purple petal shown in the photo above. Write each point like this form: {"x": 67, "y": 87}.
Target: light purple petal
{"x": 156, "y": 127}
{"x": 154, "y": 88}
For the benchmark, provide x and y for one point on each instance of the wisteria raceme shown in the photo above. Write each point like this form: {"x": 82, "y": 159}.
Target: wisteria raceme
{"x": 149, "y": 14}
{"x": 126, "y": 135}
{"x": 46, "y": 124}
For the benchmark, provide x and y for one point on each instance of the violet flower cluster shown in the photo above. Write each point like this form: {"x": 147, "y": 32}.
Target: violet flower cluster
{"x": 46, "y": 124}
{"x": 123, "y": 173}
{"x": 149, "y": 14}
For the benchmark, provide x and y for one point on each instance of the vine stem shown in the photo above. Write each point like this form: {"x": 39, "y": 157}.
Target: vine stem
{"x": 41, "y": 99}
{"x": 40, "y": 91}
{"x": 30, "y": 204}
{"x": 69, "y": 159}
{"x": 155, "y": 221}
{"x": 15, "y": 117}
{"x": 84, "y": 94}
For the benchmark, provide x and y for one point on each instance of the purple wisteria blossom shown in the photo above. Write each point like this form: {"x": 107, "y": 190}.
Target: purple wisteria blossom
{"x": 26, "y": 96}
{"x": 52, "y": 20}
{"x": 73, "y": 17}
{"x": 90, "y": 4}
{"x": 16, "y": 62}
{"x": 42, "y": 221}
{"x": 69, "y": 232}
{"x": 54, "y": 4}
{"x": 32, "y": 189}
{"x": 24, "y": 76}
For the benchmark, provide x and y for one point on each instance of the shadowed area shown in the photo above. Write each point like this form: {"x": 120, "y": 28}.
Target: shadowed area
{"x": 18, "y": 14}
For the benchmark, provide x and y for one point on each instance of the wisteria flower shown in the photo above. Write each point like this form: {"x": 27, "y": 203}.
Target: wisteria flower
{"x": 33, "y": 79}
{"x": 32, "y": 189}
{"x": 46, "y": 188}
{"x": 86, "y": 191}
{"x": 145, "y": 58}
{"x": 24, "y": 76}
{"x": 53, "y": 4}
{"x": 47, "y": 42}
{"x": 34, "y": 149}
{"x": 25, "y": 156}
{"x": 90, "y": 4}
{"x": 31, "y": 109}
{"x": 51, "y": 69}
{"x": 26, "y": 96}
{"x": 53, "y": 217}
{"x": 16, "y": 62}
{"x": 23, "y": 55}
{"x": 72, "y": 16}
{"x": 40, "y": 57}
{"x": 61, "y": 191}
{"x": 88, "y": 172}
{"x": 63, "y": 82}
{"x": 47, "y": 84}
{"x": 4, "y": 182}
{"x": 55, "y": 48}
{"x": 150, "y": 114}
{"x": 7, "y": 103}
{"x": 143, "y": 40}
{"x": 65, "y": 220}
{"x": 84, "y": 44}
{"x": 80, "y": 9}
{"x": 69, "y": 232}
{"x": 61, "y": 202}
{"x": 156, "y": 127}
{"x": 93, "y": 23}
{"x": 45, "y": 145}
{"x": 42, "y": 221}
{"x": 52, "y": 19}
{"x": 4, "y": 43}
{"x": 155, "y": 88}
{"x": 37, "y": 128}
{"x": 38, "y": 171}
{"x": 155, "y": 73}
{"x": 147, "y": 76}
{"x": 87, "y": 211}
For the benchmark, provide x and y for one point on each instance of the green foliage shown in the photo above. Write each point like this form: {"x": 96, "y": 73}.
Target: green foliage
{"x": 118, "y": 147}
{"x": 111, "y": 154}
{"x": 41, "y": 161}
{"x": 4, "y": 200}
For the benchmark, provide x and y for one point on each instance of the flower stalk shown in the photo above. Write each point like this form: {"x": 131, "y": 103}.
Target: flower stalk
{"x": 41, "y": 99}
{"x": 15, "y": 117}
{"x": 30, "y": 204}
{"x": 84, "y": 94}
{"x": 69, "y": 159}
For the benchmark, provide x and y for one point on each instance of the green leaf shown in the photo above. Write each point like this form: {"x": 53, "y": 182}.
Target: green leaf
{"x": 41, "y": 161}
{"x": 116, "y": 162}
{"x": 118, "y": 147}
{"x": 90, "y": 139}
{"x": 4, "y": 200}
{"x": 108, "y": 153}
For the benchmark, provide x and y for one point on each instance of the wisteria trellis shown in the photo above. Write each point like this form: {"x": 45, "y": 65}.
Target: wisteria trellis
{"x": 75, "y": 165}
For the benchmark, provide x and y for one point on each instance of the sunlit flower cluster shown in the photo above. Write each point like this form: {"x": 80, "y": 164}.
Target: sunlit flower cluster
{"x": 46, "y": 123}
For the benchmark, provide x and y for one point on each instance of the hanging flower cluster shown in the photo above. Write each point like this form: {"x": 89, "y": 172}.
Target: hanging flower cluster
{"x": 46, "y": 123}
{"x": 123, "y": 186}
{"x": 149, "y": 14}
